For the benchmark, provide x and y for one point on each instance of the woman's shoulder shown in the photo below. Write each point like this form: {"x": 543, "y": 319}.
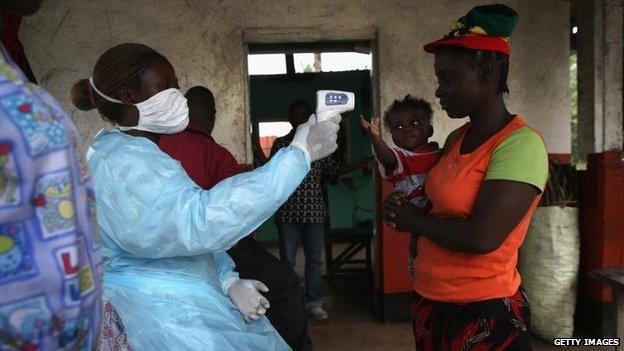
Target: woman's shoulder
{"x": 450, "y": 139}
{"x": 113, "y": 145}
{"x": 525, "y": 137}
{"x": 520, "y": 156}
{"x": 130, "y": 158}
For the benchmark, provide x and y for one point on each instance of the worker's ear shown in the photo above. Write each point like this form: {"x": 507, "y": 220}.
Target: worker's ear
{"x": 430, "y": 134}
{"x": 126, "y": 96}
{"x": 130, "y": 96}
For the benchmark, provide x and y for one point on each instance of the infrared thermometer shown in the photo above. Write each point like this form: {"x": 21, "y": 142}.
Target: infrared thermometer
{"x": 332, "y": 102}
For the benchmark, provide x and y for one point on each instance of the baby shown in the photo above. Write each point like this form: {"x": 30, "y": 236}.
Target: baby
{"x": 409, "y": 122}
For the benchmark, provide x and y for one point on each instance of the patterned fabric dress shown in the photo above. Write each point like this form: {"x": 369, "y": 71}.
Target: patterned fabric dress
{"x": 491, "y": 325}
{"x": 50, "y": 286}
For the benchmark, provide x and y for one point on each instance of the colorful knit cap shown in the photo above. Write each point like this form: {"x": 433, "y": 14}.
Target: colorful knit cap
{"x": 483, "y": 28}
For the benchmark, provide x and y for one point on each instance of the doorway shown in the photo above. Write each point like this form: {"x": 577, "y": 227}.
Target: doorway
{"x": 281, "y": 73}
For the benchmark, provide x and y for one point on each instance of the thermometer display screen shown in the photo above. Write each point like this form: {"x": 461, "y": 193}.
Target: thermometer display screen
{"x": 336, "y": 99}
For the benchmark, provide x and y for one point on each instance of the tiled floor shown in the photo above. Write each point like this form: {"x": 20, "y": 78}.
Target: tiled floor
{"x": 353, "y": 327}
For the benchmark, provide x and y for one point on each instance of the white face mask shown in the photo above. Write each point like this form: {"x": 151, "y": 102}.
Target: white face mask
{"x": 163, "y": 113}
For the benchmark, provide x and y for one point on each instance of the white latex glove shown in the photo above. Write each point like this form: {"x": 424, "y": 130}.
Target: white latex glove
{"x": 245, "y": 293}
{"x": 317, "y": 140}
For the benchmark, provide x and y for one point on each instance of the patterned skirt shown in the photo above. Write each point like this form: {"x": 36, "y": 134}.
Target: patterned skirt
{"x": 113, "y": 336}
{"x": 497, "y": 324}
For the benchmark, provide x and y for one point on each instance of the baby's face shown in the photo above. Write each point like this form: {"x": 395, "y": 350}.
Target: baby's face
{"x": 410, "y": 129}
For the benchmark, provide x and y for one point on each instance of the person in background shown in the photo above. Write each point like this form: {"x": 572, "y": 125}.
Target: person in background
{"x": 484, "y": 190}
{"x": 207, "y": 163}
{"x": 409, "y": 122}
{"x": 10, "y": 23}
{"x": 50, "y": 278}
{"x": 259, "y": 158}
{"x": 301, "y": 219}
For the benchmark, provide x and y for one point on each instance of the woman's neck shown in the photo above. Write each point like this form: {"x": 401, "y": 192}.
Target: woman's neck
{"x": 489, "y": 119}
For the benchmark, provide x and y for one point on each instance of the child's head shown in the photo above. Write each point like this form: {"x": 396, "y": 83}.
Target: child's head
{"x": 409, "y": 122}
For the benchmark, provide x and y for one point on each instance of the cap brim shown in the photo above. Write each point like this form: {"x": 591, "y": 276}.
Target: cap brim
{"x": 471, "y": 42}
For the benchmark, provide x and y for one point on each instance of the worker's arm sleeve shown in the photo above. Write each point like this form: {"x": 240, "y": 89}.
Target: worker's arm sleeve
{"x": 149, "y": 207}
{"x": 225, "y": 269}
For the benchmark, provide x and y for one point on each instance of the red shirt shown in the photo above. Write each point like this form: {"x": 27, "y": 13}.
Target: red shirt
{"x": 205, "y": 161}
{"x": 411, "y": 172}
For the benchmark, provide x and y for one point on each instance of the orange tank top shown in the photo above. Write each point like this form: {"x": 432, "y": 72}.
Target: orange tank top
{"x": 452, "y": 186}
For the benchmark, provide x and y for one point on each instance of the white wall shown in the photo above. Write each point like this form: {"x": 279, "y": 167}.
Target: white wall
{"x": 204, "y": 42}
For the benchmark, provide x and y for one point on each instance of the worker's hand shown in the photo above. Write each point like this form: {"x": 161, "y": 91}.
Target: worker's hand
{"x": 245, "y": 294}
{"x": 373, "y": 128}
{"x": 398, "y": 212}
{"x": 318, "y": 140}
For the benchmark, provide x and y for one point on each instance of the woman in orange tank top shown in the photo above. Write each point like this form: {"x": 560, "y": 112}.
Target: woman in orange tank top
{"x": 468, "y": 293}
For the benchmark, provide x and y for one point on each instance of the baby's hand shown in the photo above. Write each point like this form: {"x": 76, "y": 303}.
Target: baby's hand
{"x": 372, "y": 129}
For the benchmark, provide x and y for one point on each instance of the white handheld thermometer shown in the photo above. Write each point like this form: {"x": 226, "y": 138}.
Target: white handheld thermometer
{"x": 332, "y": 102}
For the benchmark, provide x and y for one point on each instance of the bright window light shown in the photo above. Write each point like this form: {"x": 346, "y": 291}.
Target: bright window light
{"x": 345, "y": 61}
{"x": 269, "y": 131}
{"x": 304, "y": 63}
{"x": 277, "y": 129}
{"x": 332, "y": 62}
{"x": 260, "y": 64}
{"x": 574, "y": 30}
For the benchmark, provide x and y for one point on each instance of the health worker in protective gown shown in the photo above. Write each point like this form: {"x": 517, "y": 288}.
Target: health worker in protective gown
{"x": 163, "y": 237}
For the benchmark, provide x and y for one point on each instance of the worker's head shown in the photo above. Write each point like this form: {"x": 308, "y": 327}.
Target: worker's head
{"x": 299, "y": 112}
{"x": 132, "y": 80}
{"x": 23, "y": 7}
{"x": 201, "y": 104}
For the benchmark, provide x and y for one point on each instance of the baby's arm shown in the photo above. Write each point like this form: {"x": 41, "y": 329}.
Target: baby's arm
{"x": 382, "y": 150}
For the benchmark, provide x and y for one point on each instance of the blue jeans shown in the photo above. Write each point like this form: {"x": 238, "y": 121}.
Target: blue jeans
{"x": 290, "y": 235}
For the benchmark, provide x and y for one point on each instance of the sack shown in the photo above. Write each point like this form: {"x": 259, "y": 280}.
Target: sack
{"x": 548, "y": 264}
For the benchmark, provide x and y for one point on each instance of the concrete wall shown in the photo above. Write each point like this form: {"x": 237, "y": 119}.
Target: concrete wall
{"x": 600, "y": 61}
{"x": 204, "y": 41}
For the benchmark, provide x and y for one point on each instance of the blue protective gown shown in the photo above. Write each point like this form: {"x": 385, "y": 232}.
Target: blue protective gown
{"x": 163, "y": 242}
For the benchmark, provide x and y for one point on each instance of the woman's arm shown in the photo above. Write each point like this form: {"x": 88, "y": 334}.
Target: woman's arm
{"x": 149, "y": 207}
{"x": 500, "y": 206}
